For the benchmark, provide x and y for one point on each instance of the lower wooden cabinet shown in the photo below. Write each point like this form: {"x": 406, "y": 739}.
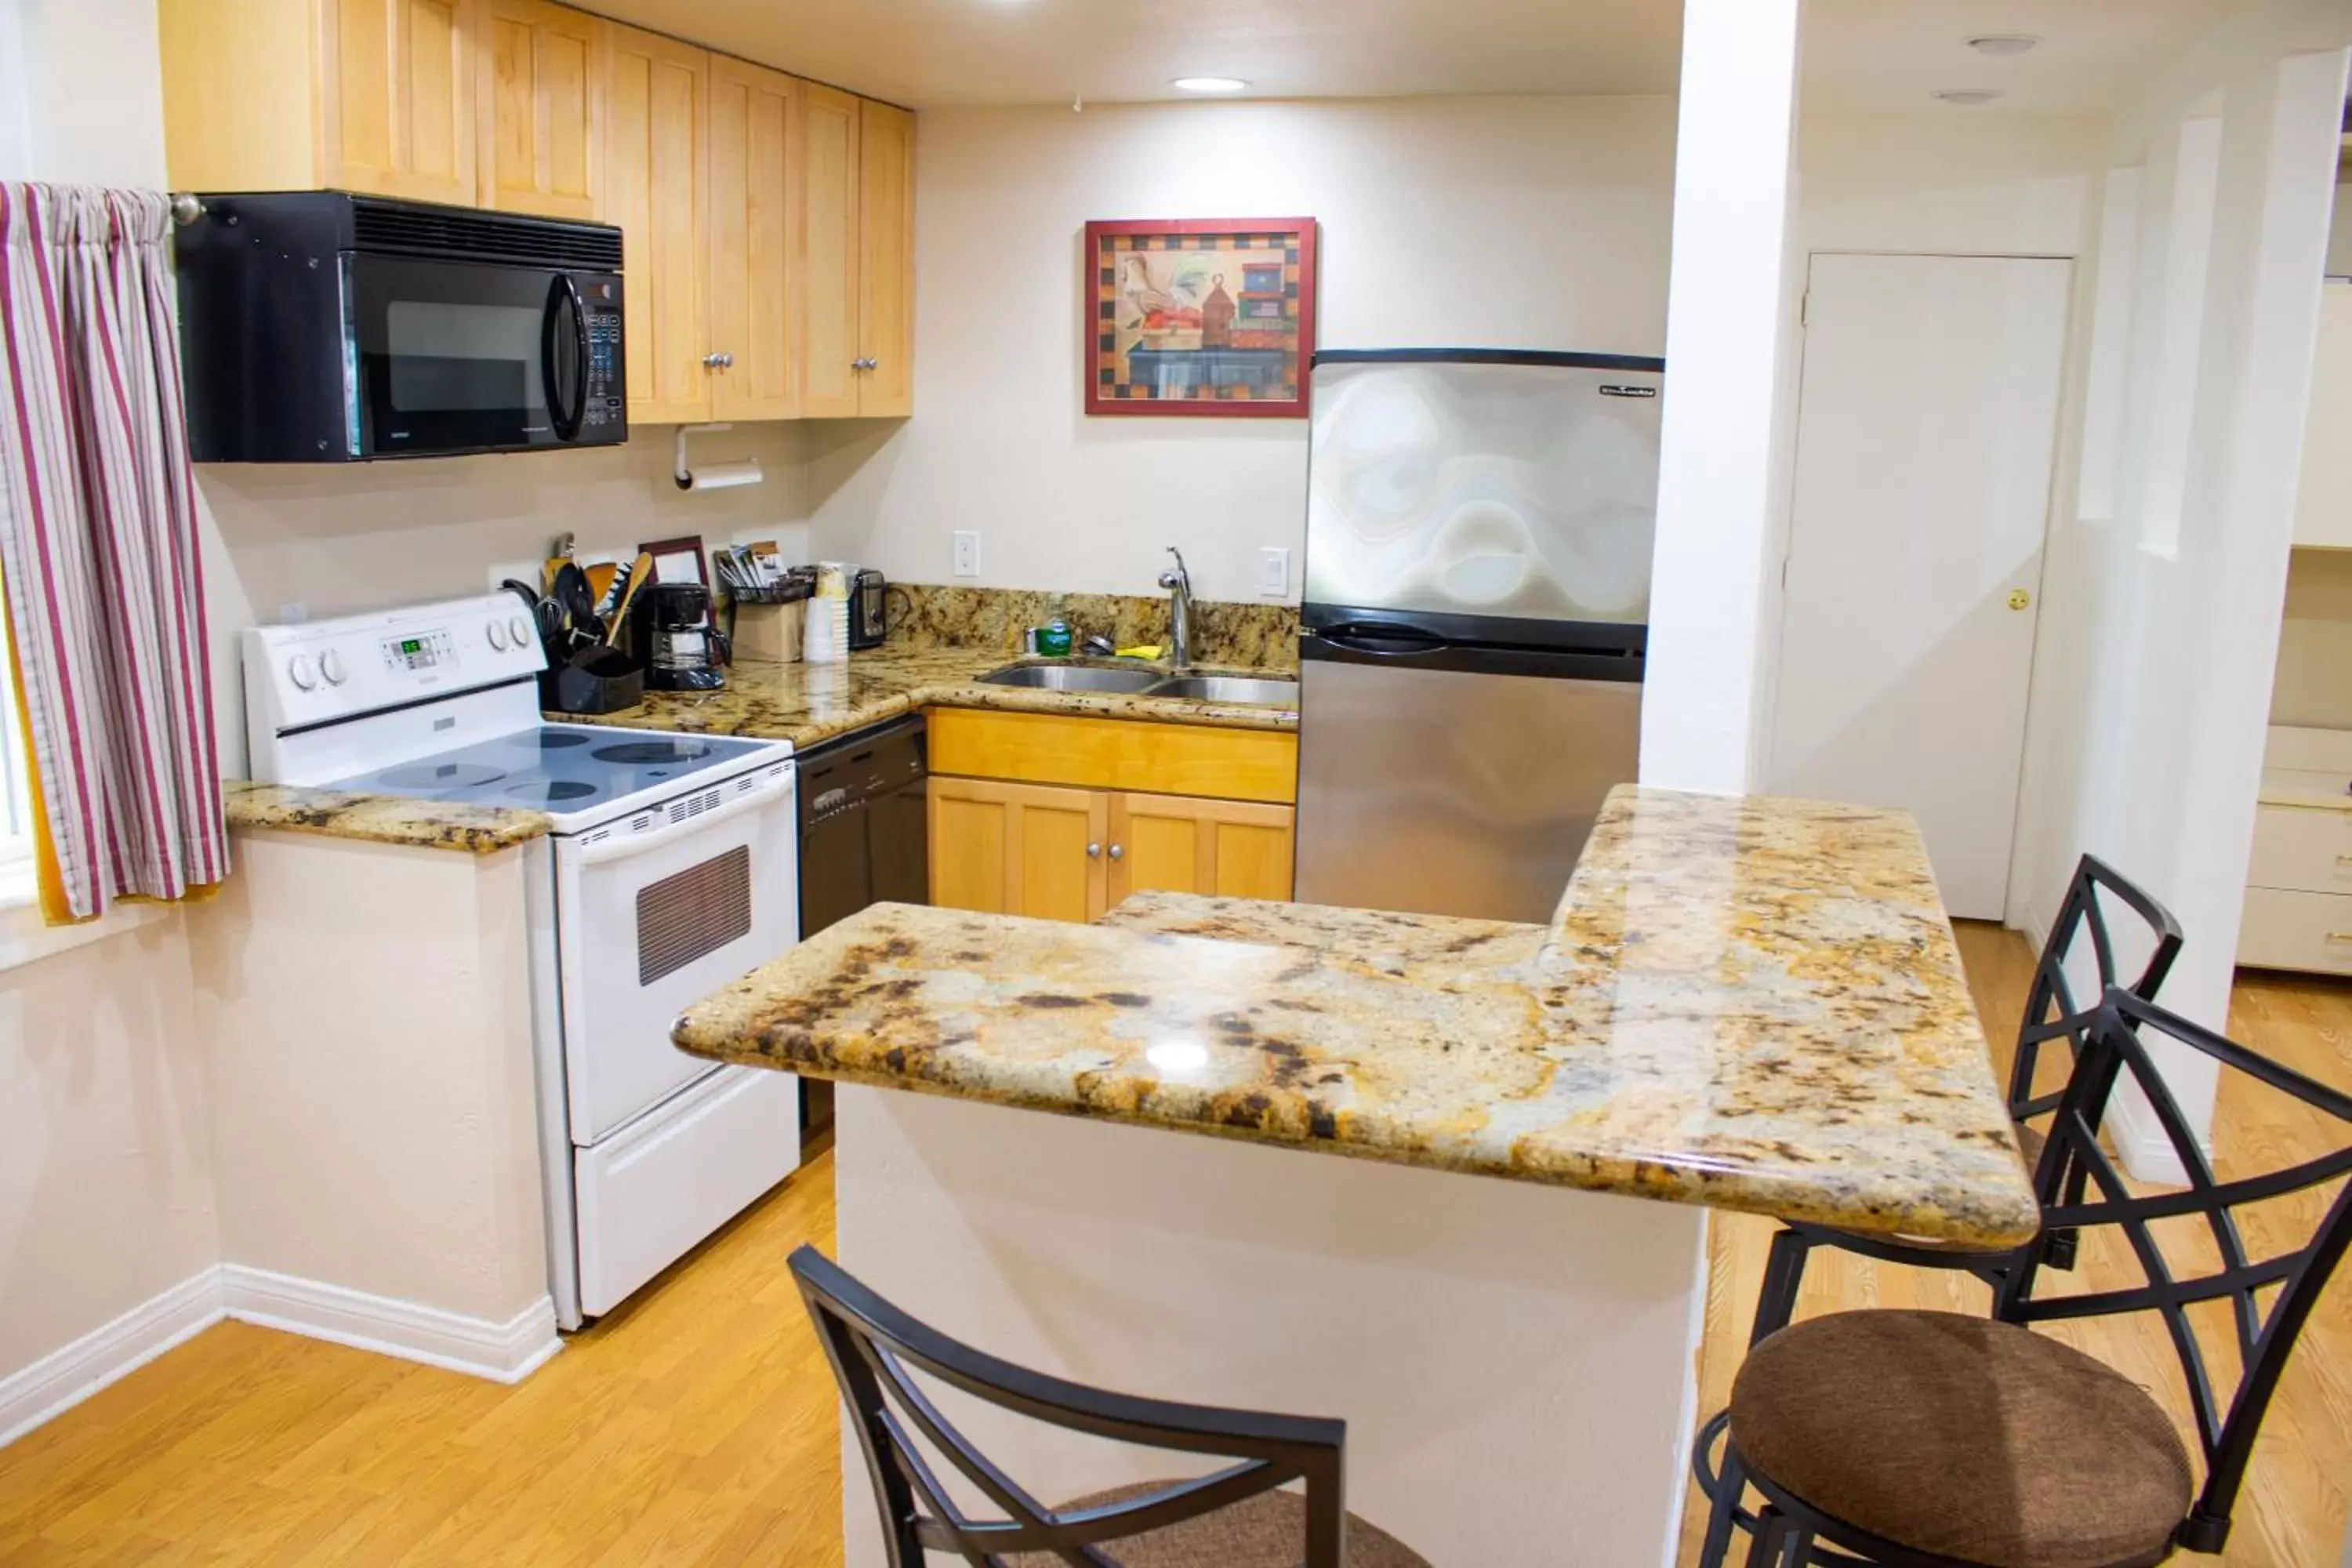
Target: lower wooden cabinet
{"x": 1053, "y": 852}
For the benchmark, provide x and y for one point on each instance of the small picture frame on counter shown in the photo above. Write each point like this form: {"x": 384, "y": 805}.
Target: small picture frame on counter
{"x": 678, "y": 560}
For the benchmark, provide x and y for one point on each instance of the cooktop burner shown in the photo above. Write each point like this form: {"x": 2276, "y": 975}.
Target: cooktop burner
{"x": 551, "y": 790}
{"x": 569, "y": 769}
{"x": 638, "y": 754}
{"x": 435, "y": 777}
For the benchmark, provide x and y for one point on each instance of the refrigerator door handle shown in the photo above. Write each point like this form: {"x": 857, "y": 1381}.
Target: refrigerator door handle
{"x": 1380, "y": 639}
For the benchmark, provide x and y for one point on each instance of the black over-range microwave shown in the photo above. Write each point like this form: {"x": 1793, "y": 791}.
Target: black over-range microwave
{"x": 321, "y": 327}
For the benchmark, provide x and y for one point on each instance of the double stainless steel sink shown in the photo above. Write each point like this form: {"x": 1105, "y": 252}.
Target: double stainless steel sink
{"x": 1264, "y": 691}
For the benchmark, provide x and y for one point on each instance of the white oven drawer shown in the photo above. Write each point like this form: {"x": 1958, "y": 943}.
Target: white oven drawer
{"x": 2287, "y": 928}
{"x": 653, "y": 916}
{"x": 651, "y": 1191}
{"x": 2298, "y": 847}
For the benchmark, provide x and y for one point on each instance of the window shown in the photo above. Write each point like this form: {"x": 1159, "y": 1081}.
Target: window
{"x": 15, "y": 797}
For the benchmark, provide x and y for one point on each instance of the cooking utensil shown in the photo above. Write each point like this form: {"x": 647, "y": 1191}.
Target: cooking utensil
{"x": 570, "y": 591}
{"x": 603, "y": 578}
{"x": 641, "y": 572}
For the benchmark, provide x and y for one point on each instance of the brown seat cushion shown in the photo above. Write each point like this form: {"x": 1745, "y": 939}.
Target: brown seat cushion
{"x": 1267, "y": 1531}
{"x": 1974, "y": 1439}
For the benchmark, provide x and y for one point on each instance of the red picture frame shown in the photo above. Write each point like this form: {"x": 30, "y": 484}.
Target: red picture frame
{"x": 1172, "y": 328}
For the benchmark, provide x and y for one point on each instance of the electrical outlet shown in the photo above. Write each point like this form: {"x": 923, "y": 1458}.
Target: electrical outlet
{"x": 967, "y": 552}
{"x": 1273, "y": 572}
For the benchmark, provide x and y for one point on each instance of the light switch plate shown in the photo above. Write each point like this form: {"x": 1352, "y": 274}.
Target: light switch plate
{"x": 967, "y": 552}
{"x": 1273, "y": 572}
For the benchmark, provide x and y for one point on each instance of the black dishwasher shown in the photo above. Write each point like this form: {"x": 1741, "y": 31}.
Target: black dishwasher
{"x": 865, "y": 839}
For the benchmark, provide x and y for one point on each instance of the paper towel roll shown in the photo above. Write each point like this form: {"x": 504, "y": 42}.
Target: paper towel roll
{"x": 725, "y": 476}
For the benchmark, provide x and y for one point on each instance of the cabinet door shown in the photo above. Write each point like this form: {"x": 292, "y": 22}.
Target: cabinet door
{"x": 1018, "y": 850}
{"x": 2323, "y": 506}
{"x": 655, "y": 177}
{"x": 827, "y": 254}
{"x": 754, "y": 137}
{"x": 536, "y": 108}
{"x": 1229, "y": 849}
{"x": 885, "y": 254}
{"x": 396, "y": 98}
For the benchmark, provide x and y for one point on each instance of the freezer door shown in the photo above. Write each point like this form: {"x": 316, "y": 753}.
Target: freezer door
{"x": 1454, "y": 482}
{"x": 1450, "y": 792}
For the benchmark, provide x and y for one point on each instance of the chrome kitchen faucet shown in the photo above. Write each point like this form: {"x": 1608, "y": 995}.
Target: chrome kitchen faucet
{"x": 1179, "y": 583}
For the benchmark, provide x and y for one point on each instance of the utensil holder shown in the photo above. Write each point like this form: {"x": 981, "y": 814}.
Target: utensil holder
{"x": 592, "y": 681}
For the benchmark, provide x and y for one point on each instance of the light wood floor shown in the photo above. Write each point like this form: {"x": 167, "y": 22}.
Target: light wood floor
{"x": 697, "y": 1425}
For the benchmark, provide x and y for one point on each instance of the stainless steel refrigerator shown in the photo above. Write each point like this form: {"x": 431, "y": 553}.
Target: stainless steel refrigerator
{"x": 1479, "y": 525}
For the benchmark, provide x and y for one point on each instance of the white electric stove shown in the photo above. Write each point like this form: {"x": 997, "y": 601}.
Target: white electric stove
{"x": 671, "y": 871}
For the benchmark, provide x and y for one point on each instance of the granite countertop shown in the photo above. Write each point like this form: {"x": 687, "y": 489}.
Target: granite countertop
{"x": 803, "y": 703}
{"x": 1755, "y": 1003}
{"x": 809, "y": 703}
{"x": 380, "y": 818}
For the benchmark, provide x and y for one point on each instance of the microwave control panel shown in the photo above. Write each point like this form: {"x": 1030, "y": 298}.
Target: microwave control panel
{"x": 606, "y": 389}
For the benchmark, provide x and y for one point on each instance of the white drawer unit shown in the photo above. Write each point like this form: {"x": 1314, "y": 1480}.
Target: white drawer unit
{"x": 2298, "y": 911}
{"x": 2286, "y": 929}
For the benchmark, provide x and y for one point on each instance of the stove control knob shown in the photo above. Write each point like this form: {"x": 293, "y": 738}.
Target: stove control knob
{"x": 299, "y": 671}
{"x": 498, "y": 637}
{"x": 519, "y": 631}
{"x": 331, "y": 666}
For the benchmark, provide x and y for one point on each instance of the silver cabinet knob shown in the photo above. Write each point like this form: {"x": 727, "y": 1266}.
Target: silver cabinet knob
{"x": 866, "y": 365}
{"x": 1093, "y": 851}
{"x": 1118, "y": 851}
{"x": 717, "y": 360}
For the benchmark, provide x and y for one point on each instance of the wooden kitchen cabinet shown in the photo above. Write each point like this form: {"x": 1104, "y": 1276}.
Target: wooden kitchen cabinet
{"x": 657, "y": 182}
{"x": 885, "y": 252}
{"x": 755, "y": 190}
{"x": 540, "y": 71}
{"x": 828, "y": 253}
{"x": 1018, "y": 848}
{"x": 1177, "y": 844}
{"x": 375, "y": 96}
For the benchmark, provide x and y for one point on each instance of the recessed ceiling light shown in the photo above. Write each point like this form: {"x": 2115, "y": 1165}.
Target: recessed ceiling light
{"x": 2002, "y": 43}
{"x": 1967, "y": 97}
{"x": 1207, "y": 84}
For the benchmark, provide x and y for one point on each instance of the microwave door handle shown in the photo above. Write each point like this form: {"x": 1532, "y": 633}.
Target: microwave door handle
{"x": 567, "y": 416}
{"x": 622, "y": 846}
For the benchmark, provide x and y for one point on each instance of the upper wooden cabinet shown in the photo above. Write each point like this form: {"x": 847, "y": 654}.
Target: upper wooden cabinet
{"x": 657, "y": 118}
{"x": 755, "y": 182}
{"x": 357, "y": 95}
{"x": 539, "y": 142}
{"x": 767, "y": 221}
{"x": 886, "y": 253}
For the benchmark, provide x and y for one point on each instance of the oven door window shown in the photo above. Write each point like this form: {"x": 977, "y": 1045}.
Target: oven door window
{"x": 453, "y": 355}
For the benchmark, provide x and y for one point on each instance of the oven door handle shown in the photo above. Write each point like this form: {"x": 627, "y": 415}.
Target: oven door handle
{"x": 622, "y": 846}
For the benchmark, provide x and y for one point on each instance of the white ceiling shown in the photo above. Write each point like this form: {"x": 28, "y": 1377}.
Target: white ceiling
{"x": 1861, "y": 56}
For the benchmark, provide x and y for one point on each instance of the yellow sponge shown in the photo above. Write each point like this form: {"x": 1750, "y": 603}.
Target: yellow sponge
{"x": 1141, "y": 650}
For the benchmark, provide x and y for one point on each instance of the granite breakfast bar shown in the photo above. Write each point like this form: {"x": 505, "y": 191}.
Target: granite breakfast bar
{"x": 1747, "y": 1004}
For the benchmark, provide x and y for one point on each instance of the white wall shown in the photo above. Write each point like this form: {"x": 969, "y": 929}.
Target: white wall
{"x": 2161, "y": 611}
{"x": 1513, "y": 222}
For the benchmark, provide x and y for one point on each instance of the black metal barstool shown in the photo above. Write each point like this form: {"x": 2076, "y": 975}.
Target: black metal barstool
{"x": 2054, "y": 1011}
{"x": 1939, "y": 1440}
{"x": 1238, "y": 1517}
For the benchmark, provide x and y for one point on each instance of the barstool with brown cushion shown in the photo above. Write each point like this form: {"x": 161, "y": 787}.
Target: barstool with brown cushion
{"x": 1937, "y": 1440}
{"x": 2101, "y": 904}
{"x": 1238, "y": 1517}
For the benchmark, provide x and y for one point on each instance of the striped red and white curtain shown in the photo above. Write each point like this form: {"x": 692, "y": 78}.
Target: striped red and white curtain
{"x": 98, "y": 552}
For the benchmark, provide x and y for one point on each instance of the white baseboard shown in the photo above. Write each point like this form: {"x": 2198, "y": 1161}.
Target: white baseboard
{"x": 71, "y": 1373}
{"x": 503, "y": 1353}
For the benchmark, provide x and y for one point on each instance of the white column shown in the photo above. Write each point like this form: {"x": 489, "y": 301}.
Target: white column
{"x": 1720, "y": 523}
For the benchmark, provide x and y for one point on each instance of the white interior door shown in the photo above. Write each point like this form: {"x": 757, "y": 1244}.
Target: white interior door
{"x": 1925, "y": 428}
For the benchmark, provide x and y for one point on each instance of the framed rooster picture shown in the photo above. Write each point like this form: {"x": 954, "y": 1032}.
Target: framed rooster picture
{"x": 1202, "y": 316}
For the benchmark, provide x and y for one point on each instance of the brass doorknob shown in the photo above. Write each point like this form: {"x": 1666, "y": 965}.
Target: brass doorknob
{"x": 2018, "y": 598}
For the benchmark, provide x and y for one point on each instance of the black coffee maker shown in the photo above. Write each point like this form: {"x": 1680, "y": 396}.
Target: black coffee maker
{"x": 682, "y": 649}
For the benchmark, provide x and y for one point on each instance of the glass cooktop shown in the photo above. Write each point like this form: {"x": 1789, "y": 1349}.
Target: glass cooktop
{"x": 558, "y": 767}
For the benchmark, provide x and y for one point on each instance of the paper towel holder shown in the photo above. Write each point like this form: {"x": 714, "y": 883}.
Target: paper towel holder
{"x": 715, "y": 476}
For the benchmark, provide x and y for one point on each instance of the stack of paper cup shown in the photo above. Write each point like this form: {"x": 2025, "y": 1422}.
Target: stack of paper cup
{"x": 825, "y": 638}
